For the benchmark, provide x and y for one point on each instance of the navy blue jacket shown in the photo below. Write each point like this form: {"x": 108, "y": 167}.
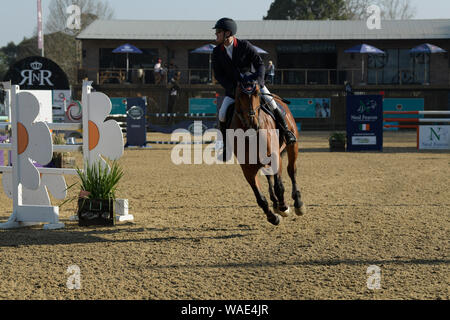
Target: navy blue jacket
{"x": 227, "y": 71}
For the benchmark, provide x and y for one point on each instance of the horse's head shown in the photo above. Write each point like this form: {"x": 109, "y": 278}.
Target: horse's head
{"x": 248, "y": 104}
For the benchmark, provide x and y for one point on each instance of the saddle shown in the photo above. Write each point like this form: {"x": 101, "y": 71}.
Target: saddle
{"x": 249, "y": 88}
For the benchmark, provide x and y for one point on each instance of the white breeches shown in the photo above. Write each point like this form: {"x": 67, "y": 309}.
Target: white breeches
{"x": 228, "y": 101}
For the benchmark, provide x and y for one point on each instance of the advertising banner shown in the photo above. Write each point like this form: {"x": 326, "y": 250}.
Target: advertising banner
{"x": 119, "y": 105}
{"x": 310, "y": 107}
{"x": 203, "y": 105}
{"x": 136, "y": 122}
{"x": 364, "y": 122}
{"x": 61, "y": 99}
{"x": 434, "y": 137}
{"x": 37, "y": 73}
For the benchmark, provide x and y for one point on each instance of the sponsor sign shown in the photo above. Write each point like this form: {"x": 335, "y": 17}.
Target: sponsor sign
{"x": 310, "y": 107}
{"x": 37, "y": 73}
{"x": 136, "y": 122}
{"x": 434, "y": 137}
{"x": 119, "y": 105}
{"x": 202, "y": 105}
{"x": 61, "y": 99}
{"x": 364, "y": 122}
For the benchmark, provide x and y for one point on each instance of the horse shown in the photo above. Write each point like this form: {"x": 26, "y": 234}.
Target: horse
{"x": 248, "y": 114}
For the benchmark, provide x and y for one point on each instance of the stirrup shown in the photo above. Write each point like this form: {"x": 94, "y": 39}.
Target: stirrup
{"x": 289, "y": 137}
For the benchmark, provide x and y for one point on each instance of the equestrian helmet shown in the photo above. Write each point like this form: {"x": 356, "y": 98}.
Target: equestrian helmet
{"x": 226, "y": 24}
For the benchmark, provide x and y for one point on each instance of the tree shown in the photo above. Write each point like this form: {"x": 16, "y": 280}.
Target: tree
{"x": 307, "y": 10}
{"x": 60, "y": 41}
{"x": 337, "y": 9}
{"x": 90, "y": 10}
{"x": 357, "y": 9}
{"x": 396, "y": 9}
{"x": 11, "y": 53}
{"x": 4, "y": 66}
{"x": 390, "y": 9}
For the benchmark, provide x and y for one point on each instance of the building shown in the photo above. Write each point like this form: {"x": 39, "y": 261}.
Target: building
{"x": 309, "y": 57}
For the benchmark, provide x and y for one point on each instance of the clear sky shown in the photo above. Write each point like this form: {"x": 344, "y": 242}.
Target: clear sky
{"x": 18, "y": 17}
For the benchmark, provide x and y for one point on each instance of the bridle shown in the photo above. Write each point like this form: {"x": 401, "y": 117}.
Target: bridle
{"x": 249, "y": 89}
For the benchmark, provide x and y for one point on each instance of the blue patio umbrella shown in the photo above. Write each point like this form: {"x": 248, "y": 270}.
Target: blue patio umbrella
{"x": 259, "y": 50}
{"x": 127, "y": 48}
{"x": 206, "y": 49}
{"x": 364, "y": 48}
{"x": 426, "y": 48}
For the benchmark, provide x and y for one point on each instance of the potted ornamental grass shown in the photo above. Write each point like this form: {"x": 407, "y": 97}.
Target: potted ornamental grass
{"x": 98, "y": 187}
{"x": 337, "y": 141}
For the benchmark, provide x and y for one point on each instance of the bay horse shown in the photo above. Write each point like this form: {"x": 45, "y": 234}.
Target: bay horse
{"x": 248, "y": 114}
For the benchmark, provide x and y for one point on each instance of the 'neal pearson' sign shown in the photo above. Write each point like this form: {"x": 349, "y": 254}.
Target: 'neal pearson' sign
{"x": 364, "y": 122}
{"x": 37, "y": 73}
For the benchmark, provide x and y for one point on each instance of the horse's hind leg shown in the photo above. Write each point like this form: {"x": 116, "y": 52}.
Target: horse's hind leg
{"x": 251, "y": 176}
{"x": 300, "y": 207}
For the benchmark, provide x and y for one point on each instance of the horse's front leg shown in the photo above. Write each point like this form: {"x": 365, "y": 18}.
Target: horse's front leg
{"x": 250, "y": 173}
{"x": 283, "y": 209}
{"x": 273, "y": 197}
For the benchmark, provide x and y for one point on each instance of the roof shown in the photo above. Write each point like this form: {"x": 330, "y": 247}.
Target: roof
{"x": 268, "y": 30}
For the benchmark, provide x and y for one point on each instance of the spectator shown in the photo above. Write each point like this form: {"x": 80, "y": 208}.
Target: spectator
{"x": 270, "y": 72}
{"x": 348, "y": 88}
{"x": 326, "y": 107}
{"x": 171, "y": 71}
{"x": 174, "y": 89}
{"x": 141, "y": 74}
{"x": 158, "y": 71}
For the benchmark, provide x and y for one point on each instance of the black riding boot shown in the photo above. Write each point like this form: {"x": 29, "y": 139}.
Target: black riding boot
{"x": 288, "y": 134}
{"x": 223, "y": 130}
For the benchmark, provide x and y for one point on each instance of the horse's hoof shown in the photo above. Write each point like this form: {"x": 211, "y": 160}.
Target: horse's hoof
{"x": 300, "y": 211}
{"x": 283, "y": 213}
{"x": 274, "y": 219}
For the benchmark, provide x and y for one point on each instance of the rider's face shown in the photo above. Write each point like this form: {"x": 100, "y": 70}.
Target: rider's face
{"x": 220, "y": 36}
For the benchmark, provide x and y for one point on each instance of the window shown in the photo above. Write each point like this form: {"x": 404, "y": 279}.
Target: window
{"x": 199, "y": 65}
{"x": 398, "y": 66}
{"x": 320, "y": 55}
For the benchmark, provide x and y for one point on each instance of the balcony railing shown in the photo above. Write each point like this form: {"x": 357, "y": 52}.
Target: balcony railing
{"x": 303, "y": 77}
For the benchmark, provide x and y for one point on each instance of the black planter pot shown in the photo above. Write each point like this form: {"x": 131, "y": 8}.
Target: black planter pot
{"x": 95, "y": 212}
{"x": 337, "y": 145}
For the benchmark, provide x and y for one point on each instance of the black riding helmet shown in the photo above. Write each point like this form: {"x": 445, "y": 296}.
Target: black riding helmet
{"x": 226, "y": 24}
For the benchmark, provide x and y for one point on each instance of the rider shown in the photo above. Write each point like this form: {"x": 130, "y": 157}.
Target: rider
{"x": 232, "y": 58}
